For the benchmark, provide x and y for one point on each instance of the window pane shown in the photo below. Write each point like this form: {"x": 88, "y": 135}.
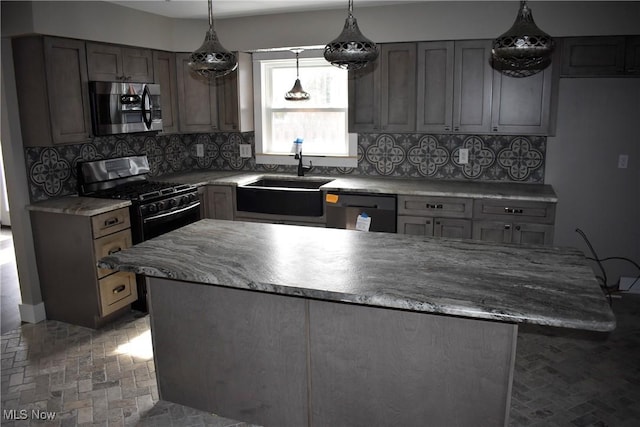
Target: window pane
{"x": 323, "y": 132}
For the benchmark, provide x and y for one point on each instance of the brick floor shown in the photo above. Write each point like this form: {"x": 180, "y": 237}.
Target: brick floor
{"x": 107, "y": 377}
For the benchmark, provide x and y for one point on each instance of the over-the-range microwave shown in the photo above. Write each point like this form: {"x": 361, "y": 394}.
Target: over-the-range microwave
{"x": 122, "y": 107}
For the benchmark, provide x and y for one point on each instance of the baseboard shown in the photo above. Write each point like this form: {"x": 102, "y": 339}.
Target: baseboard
{"x": 32, "y": 313}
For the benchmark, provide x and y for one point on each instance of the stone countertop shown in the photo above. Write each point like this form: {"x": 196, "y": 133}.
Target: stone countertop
{"x": 379, "y": 185}
{"x": 83, "y": 206}
{"x": 474, "y": 279}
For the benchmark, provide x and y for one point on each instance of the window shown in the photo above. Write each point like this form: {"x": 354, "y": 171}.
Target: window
{"x": 321, "y": 122}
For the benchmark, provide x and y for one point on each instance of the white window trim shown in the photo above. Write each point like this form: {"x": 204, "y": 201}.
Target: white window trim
{"x": 278, "y": 159}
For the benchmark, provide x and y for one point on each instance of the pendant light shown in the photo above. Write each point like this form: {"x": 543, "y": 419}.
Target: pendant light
{"x": 211, "y": 59}
{"x": 297, "y": 93}
{"x": 351, "y": 50}
{"x": 524, "y": 49}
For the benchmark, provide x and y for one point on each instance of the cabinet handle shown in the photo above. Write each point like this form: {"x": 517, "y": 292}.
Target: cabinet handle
{"x": 437, "y": 222}
{"x": 114, "y": 250}
{"x": 438, "y": 206}
{"x": 456, "y": 128}
{"x": 447, "y": 128}
{"x": 119, "y": 289}
{"x": 110, "y": 222}
{"x": 495, "y": 129}
{"x": 512, "y": 211}
{"x": 518, "y": 227}
{"x": 507, "y": 226}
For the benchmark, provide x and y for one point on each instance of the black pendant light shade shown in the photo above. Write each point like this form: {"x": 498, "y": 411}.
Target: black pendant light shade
{"x": 351, "y": 50}
{"x": 524, "y": 49}
{"x": 211, "y": 59}
{"x": 297, "y": 93}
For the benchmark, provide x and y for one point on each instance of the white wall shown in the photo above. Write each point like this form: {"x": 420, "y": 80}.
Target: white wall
{"x": 597, "y": 121}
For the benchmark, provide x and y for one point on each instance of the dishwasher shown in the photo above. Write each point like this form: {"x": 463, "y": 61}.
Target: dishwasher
{"x": 343, "y": 209}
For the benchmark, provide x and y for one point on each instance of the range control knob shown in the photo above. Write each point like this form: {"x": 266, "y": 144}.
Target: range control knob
{"x": 184, "y": 200}
{"x": 173, "y": 203}
{"x": 152, "y": 208}
{"x": 161, "y": 206}
{"x": 193, "y": 197}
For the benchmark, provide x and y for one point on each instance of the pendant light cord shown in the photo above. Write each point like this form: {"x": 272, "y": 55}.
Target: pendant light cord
{"x": 297, "y": 67}
{"x": 210, "y": 14}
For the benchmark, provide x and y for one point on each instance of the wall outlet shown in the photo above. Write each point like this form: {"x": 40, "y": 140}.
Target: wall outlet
{"x": 463, "y": 156}
{"x": 245, "y": 150}
{"x": 623, "y": 161}
{"x": 199, "y": 150}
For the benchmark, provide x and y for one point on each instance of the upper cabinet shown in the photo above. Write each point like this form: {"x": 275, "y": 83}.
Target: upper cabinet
{"x": 107, "y": 62}
{"x": 472, "y": 86}
{"x": 435, "y": 87}
{"x": 601, "y": 56}
{"x": 164, "y": 65}
{"x": 52, "y": 89}
{"x": 217, "y": 104}
{"x": 382, "y": 95}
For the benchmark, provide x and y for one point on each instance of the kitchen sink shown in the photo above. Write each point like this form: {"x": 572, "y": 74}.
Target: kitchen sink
{"x": 282, "y": 196}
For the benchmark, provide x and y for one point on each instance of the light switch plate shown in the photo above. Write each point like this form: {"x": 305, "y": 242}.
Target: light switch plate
{"x": 245, "y": 150}
{"x": 463, "y": 156}
{"x": 199, "y": 150}
{"x": 623, "y": 161}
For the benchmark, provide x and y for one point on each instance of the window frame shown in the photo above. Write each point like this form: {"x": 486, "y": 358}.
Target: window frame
{"x": 259, "y": 93}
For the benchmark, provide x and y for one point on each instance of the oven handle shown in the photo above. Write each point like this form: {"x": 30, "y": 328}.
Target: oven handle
{"x": 164, "y": 215}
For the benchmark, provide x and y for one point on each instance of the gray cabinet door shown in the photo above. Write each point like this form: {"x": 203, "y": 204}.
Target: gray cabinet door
{"x": 415, "y": 225}
{"x": 220, "y": 203}
{"x": 632, "y": 60}
{"x": 593, "y": 56}
{"x": 452, "y": 228}
{"x": 227, "y": 87}
{"x": 472, "y": 86}
{"x": 364, "y": 99}
{"x": 532, "y": 234}
{"x": 107, "y": 62}
{"x": 164, "y": 64}
{"x": 197, "y": 99}
{"x": 492, "y": 231}
{"x": 435, "y": 86}
{"x": 521, "y": 105}
{"x": 398, "y": 87}
{"x": 67, "y": 86}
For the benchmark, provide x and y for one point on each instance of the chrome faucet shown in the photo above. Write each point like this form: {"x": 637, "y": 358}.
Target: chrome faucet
{"x": 302, "y": 169}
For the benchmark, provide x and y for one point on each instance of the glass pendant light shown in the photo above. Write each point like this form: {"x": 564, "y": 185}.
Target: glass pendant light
{"x": 297, "y": 93}
{"x": 524, "y": 49}
{"x": 211, "y": 59}
{"x": 351, "y": 50}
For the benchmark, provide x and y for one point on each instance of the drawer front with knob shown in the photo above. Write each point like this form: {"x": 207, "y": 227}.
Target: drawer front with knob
{"x": 110, "y": 222}
{"x": 116, "y": 291}
{"x": 514, "y": 210}
{"x": 450, "y": 207}
{"x": 110, "y": 244}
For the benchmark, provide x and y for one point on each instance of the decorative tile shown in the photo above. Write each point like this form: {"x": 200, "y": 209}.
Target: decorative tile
{"x": 52, "y": 170}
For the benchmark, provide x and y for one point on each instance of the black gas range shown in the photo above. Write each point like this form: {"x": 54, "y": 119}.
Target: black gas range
{"x": 156, "y": 207}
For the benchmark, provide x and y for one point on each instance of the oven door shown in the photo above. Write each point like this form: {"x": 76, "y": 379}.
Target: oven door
{"x": 157, "y": 225}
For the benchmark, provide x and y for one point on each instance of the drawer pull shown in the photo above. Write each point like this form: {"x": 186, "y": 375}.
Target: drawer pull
{"x": 111, "y": 221}
{"x": 119, "y": 289}
{"x": 507, "y": 226}
{"x": 430, "y": 206}
{"x": 114, "y": 250}
{"x": 513, "y": 211}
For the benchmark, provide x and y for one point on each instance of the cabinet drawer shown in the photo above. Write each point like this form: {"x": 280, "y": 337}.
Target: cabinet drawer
{"x": 116, "y": 291}
{"x": 110, "y": 222}
{"x": 514, "y": 210}
{"x": 449, "y": 207}
{"x": 110, "y": 244}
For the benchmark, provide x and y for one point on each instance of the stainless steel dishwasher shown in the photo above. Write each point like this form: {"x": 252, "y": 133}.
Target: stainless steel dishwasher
{"x": 342, "y": 210}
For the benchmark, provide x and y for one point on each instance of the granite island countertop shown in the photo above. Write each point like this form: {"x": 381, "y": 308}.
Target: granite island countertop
{"x": 509, "y": 283}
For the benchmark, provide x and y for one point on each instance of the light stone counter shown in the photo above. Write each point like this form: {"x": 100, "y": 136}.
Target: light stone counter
{"x": 379, "y": 185}
{"x": 83, "y": 206}
{"x": 468, "y": 278}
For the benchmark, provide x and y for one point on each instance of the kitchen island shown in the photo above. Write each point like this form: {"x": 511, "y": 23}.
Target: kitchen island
{"x": 290, "y": 326}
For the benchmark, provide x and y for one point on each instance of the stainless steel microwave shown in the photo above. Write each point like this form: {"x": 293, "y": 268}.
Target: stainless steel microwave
{"x": 118, "y": 107}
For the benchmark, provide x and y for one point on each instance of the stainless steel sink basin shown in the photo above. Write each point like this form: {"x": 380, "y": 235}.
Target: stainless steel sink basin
{"x": 282, "y": 196}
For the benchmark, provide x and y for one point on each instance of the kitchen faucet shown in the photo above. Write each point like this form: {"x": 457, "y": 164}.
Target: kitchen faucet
{"x": 302, "y": 169}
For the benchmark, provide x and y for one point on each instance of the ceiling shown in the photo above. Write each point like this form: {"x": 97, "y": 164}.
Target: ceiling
{"x": 190, "y": 9}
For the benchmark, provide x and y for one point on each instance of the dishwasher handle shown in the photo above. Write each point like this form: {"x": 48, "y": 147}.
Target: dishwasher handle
{"x": 361, "y": 206}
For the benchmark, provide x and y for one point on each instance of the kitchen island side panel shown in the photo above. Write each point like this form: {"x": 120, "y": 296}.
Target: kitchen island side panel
{"x": 236, "y": 353}
{"x": 381, "y": 367}
{"x": 284, "y": 361}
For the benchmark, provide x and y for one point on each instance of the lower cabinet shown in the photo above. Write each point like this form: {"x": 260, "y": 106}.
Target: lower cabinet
{"x": 435, "y": 216}
{"x": 68, "y": 246}
{"x": 513, "y": 232}
{"x": 437, "y": 227}
{"x": 219, "y": 202}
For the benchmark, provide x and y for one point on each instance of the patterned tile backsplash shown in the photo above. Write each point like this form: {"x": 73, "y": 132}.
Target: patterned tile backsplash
{"x": 52, "y": 170}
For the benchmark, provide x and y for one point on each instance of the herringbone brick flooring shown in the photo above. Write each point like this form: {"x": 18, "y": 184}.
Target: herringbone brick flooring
{"x": 107, "y": 377}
